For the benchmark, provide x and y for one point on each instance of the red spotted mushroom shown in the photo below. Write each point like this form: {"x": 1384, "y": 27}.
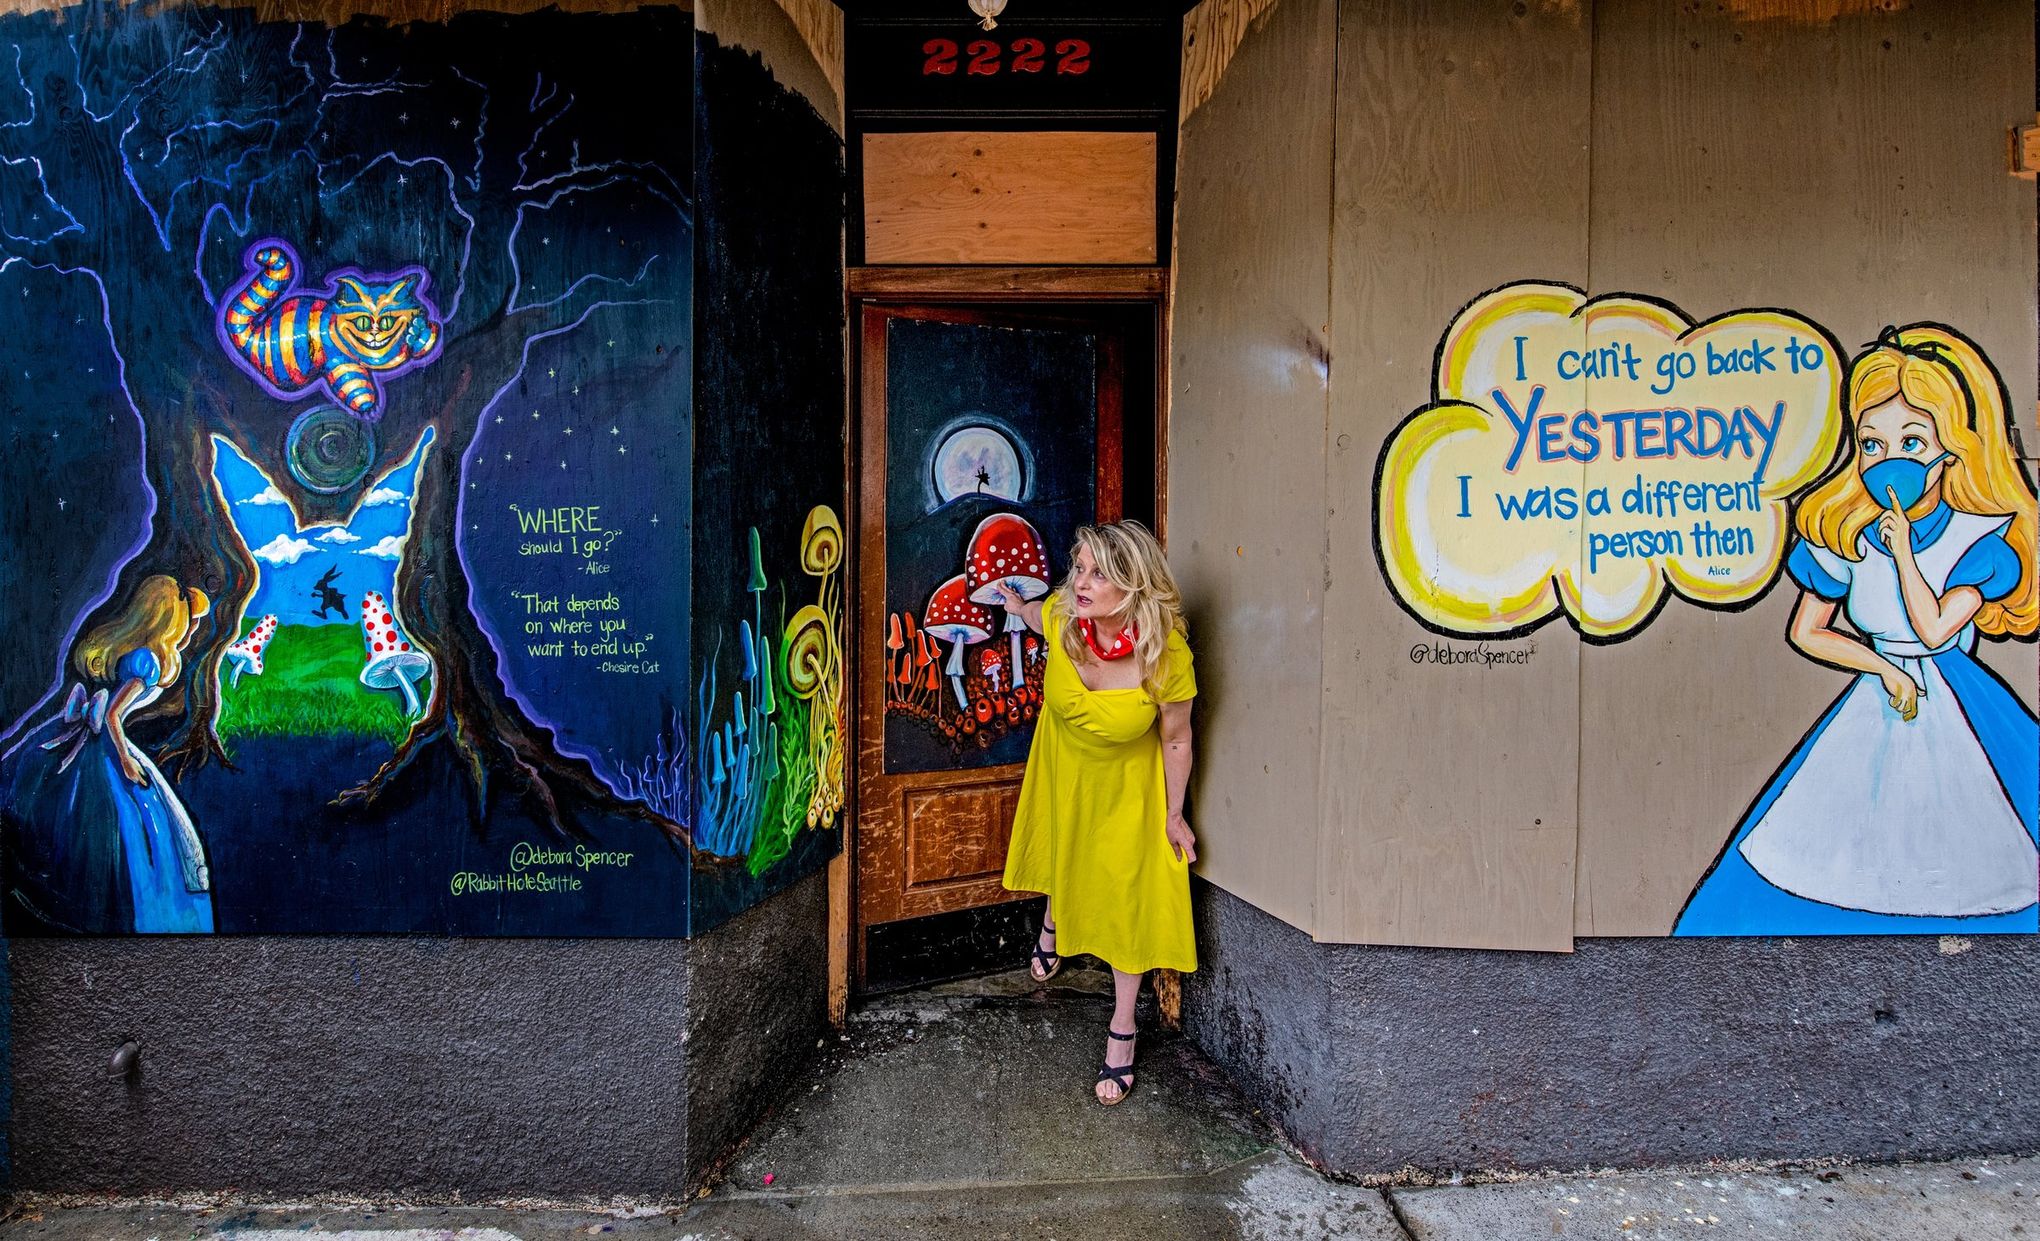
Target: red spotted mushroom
{"x": 392, "y": 664}
{"x": 952, "y": 617}
{"x": 993, "y": 665}
{"x": 1007, "y": 551}
{"x": 246, "y": 655}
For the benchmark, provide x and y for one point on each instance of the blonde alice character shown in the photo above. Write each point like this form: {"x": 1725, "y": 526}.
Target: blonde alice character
{"x": 1910, "y": 806}
{"x": 1100, "y": 825}
{"x": 96, "y": 841}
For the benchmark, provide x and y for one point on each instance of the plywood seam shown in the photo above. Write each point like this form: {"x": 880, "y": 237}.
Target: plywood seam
{"x": 1593, "y": 20}
{"x": 1324, "y": 833}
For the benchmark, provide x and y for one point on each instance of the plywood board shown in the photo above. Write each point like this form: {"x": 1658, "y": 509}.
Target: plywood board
{"x": 799, "y": 41}
{"x": 1852, "y": 170}
{"x": 1246, "y": 445}
{"x": 1212, "y": 32}
{"x": 1036, "y": 197}
{"x": 1447, "y": 783}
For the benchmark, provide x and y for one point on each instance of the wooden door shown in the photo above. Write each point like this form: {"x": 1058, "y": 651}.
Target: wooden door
{"x": 988, "y": 437}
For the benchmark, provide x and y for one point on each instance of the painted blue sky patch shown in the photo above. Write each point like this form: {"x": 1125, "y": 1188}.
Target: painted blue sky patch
{"x": 291, "y": 560}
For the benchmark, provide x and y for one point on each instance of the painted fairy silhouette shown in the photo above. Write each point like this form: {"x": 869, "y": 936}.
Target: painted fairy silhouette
{"x": 329, "y": 598}
{"x": 350, "y": 338}
{"x": 95, "y": 839}
{"x": 1910, "y": 806}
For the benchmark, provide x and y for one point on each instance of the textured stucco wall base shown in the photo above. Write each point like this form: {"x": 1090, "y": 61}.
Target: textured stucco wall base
{"x": 479, "y": 1067}
{"x": 1627, "y": 1052}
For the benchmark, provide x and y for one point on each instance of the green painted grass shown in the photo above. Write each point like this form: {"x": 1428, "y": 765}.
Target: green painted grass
{"x": 311, "y": 687}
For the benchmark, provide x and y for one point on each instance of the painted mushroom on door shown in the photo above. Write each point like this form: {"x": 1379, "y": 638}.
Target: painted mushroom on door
{"x": 992, "y": 694}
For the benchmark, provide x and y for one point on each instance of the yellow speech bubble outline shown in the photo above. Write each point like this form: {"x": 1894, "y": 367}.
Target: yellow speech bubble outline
{"x": 1524, "y": 607}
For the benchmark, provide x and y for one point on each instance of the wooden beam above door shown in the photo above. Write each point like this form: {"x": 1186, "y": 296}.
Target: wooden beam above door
{"x": 1006, "y": 283}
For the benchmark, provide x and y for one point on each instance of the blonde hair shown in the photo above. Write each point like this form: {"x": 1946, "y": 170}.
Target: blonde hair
{"x": 155, "y": 619}
{"x": 1945, "y": 377}
{"x": 1127, "y": 553}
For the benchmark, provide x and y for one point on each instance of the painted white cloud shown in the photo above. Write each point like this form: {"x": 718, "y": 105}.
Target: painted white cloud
{"x": 267, "y": 496}
{"x": 381, "y": 496}
{"x": 339, "y": 535}
{"x": 389, "y": 547}
{"x": 284, "y": 549}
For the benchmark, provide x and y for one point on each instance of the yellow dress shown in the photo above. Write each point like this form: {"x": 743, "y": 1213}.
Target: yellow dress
{"x": 1091, "y": 829}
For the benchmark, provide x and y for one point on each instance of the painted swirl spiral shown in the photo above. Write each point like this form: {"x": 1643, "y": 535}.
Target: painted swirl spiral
{"x": 810, "y": 652}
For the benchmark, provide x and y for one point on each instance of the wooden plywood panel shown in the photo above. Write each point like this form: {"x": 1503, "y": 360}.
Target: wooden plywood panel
{"x": 1037, "y": 197}
{"x": 1212, "y": 32}
{"x": 1852, "y": 170}
{"x": 799, "y": 41}
{"x": 1246, "y": 446}
{"x": 1448, "y": 789}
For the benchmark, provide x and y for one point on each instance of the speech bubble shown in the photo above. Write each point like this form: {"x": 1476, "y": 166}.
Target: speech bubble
{"x": 1590, "y": 457}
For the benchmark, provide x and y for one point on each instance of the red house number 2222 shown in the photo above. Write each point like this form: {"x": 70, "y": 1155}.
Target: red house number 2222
{"x": 984, "y": 57}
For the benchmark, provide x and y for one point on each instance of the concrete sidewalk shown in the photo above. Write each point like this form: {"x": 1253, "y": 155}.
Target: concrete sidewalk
{"x": 965, "y": 1111}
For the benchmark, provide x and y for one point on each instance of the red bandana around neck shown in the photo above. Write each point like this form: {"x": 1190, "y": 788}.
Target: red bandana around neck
{"x": 1122, "y": 646}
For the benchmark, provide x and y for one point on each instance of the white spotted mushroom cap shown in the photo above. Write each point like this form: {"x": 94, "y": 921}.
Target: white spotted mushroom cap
{"x": 1006, "y": 550}
{"x": 247, "y": 653}
{"x": 390, "y": 657}
{"x": 953, "y": 617}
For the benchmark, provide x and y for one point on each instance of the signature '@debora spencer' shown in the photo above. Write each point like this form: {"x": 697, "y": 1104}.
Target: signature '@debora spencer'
{"x": 527, "y": 856}
{"x": 1480, "y": 655}
{"x": 529, "y": 873}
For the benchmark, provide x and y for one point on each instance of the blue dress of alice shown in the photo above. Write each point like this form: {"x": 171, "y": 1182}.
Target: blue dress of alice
{"x": 1878, "y": 824}
{"x": 87, "y": 850}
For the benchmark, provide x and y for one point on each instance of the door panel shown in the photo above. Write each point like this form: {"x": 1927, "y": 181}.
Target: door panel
{"x": 982, "y": 434}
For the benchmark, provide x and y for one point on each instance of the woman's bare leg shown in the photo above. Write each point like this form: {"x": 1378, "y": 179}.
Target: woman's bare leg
{"x": 1119, "y": 1052}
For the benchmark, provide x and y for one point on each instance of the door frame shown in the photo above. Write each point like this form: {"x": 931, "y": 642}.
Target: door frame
{"x": 960, "y": 287}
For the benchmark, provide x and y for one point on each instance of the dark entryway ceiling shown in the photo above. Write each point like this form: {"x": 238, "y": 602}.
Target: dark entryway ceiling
{"x": 1092, "y": 9}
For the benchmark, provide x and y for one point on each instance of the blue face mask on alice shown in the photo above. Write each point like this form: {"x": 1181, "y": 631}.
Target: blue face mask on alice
{"x": 1901, "y": 475}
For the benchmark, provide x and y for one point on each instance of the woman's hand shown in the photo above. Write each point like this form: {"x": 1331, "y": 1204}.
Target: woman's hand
{"x": 1010, "y": 599}
{"x": 1182, "y": 839}
{"x": 130, "y": 766}
{"x": 1894, "y": 527}
{"x": 1903, "y": 692}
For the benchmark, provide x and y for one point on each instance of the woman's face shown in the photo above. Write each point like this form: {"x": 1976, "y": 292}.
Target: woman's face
{"x": 1092, "y": 595}
{"x": 1893, "y": 430}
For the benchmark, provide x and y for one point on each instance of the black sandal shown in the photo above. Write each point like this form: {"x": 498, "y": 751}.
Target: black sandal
{"x": 1121, "y": 1077}
{"x": 1048, "y": 961}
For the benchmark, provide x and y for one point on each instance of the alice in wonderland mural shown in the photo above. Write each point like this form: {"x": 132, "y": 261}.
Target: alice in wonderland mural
{"x": 351, "y": 487}
{"x": 1600, "y": 459}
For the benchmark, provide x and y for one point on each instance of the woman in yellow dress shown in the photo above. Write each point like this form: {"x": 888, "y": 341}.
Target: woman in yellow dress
{"x": 1100, "y": 824}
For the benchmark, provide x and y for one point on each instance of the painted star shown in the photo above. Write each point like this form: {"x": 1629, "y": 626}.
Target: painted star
{"x": 552, "y": 372}
{"x": 563, "y": 465}
{"x": 499, "y": 420}
{"x": 612, "y": 344}
{"x": 577, "y": 389}
{"x": 567, "y": 431}
{"x": 655, "y": 519}
{"x": 621, "y": 449}
{"x": 534, "y": 413}
{"x": 60, "y": 503}
{"x": 402, "y": 179}
{"x": 506, "y": 456}
{"x": 614, "y": 431}
{"x": 545, "y": 241}
{"x": 456, "y": 122}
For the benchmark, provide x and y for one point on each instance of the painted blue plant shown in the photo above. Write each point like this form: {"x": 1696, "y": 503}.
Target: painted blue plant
{"x": 739, "y": 759}
{"x": 662, "y": 779}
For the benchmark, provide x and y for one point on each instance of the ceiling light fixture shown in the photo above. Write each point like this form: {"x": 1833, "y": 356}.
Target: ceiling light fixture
{"x": 988, "y": 9}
